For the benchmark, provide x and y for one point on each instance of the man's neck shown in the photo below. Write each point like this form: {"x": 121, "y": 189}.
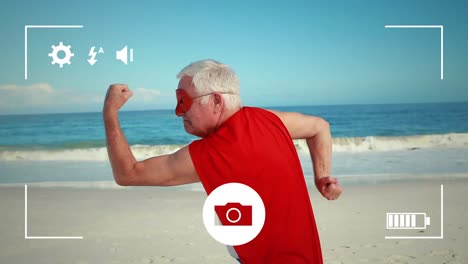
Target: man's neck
{"x": 225, "y": 115}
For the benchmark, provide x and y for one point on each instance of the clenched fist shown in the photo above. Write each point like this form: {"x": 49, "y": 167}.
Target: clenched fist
{"x": 329, "y": 187}
{"x": 117, "y": 95}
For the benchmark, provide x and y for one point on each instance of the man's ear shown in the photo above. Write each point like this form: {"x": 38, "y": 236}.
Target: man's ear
{"x": 218, "y": 101}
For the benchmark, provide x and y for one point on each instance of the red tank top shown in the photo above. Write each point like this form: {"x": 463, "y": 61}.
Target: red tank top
{"x": 253, "y": 147}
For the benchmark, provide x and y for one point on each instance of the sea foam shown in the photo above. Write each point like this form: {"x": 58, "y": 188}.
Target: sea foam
{"x": 376, "y": 143}
{"x": 346, "y": 144}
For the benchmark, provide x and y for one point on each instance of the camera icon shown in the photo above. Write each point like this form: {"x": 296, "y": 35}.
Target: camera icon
{"x": 234, "y": 214}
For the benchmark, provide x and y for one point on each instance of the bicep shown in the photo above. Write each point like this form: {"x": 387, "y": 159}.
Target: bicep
{"x": 165, "y": 170}
{"x": 301, "y": 126}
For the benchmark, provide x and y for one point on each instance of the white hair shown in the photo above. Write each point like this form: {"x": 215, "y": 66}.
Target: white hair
{"x": 212, "y": 76}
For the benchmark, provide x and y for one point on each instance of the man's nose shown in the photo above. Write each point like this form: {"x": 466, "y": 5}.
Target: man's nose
{"x": 179, "y": 111}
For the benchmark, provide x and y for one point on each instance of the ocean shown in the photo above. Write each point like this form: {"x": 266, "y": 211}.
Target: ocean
{"x": 368, "y": 141}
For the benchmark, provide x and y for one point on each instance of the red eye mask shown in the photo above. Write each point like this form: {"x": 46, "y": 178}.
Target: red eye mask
{"x": 184, "y": 101}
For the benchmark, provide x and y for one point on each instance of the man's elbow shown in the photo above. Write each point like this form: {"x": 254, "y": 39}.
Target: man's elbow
{"x": 139, "y": 176}
{"x": 126, "y": 178}
{"x": 324, "y": 126}
{"x": 122, "y": 180}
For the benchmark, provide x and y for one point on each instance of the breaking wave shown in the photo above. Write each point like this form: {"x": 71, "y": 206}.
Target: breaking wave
{"x": 345, "y": 144}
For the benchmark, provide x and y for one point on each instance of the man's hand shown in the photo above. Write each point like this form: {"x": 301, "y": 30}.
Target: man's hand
{"x": 329, "y": 187}
{"x": 117, "y": 95}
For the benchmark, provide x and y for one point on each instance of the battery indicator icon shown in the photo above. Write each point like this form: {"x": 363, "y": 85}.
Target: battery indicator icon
{"x": 407, "y": 221}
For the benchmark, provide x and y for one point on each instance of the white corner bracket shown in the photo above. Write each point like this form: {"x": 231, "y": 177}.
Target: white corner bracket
{"x": 441, "y": 27}
{"x": 441, "y": 222}
{"x": 26, "y": 27}
{"x": 26, "y": 223}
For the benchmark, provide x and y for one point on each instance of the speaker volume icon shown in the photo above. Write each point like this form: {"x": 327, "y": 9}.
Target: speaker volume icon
{"x": 123, "y": 55}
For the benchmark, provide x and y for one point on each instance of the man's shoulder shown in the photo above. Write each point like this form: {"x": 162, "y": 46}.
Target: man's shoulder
{"x": 264, "y": 114}
{"x": 252, "y": 110}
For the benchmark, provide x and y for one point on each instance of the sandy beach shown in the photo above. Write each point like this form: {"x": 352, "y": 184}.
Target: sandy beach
{"x": 164, "y": 225}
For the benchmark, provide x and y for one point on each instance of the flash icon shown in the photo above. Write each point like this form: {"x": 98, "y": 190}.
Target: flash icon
{"x": 92, "y": 54}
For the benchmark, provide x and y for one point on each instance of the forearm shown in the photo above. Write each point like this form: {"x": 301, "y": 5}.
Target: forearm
{"x": 320, "y": 148}
{"x": 120, "y": 154}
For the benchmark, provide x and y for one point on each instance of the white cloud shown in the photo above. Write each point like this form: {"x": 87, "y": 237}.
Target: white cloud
{"x": 98, "y": 99}
{"x": 42, "y": 97}
{"x": 15, "y": 96}
{"x": 146, "y": 95}
{"x": 38, "y": 87}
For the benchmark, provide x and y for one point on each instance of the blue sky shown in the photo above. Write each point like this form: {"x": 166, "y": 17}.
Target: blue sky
{"x": 285, "y": 52}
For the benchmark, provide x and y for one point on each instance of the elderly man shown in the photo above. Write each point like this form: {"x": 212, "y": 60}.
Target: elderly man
{"x": 246, "y": 145}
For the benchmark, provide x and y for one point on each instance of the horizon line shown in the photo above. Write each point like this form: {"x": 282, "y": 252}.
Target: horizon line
{"x": 260, "y": 106}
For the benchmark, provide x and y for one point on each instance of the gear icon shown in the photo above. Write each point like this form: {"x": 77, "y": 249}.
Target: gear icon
{"x": 65, "y": 59}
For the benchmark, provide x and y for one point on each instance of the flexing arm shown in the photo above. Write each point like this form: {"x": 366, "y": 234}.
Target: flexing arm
{"x": 316, "y": 132}
{"x": 173, "y": 169}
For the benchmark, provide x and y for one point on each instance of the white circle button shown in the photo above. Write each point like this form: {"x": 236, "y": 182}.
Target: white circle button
{"x": 241, "y": 210}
